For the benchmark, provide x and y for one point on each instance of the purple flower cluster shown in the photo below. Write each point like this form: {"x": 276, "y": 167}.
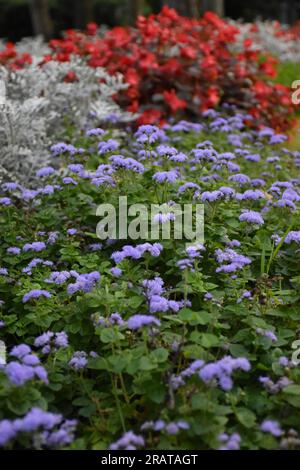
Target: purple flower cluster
{"x": 137, "y": 252}
{"x": 78, "y": 360}
{"x": 47, "y": 429}
{"x": 35, "y": 262}
{"x": 229, "y": 442}
{"x": 129, "y": 441}
{"x": 51, "y": 342}
{"x": 293, "y": 236}
{"x": 165, "y": 176}
{"x": 113, "y": 319}
{"x": 138, "y": 321}
{"x": 234, "y": 260}
{"x": 118, "y": 161}
{"x": 148, "y": 134}
{"x": 171, "y": 428}
{"x": 274, "y": 387}
{"x": 154, "y": 289}
{"x": 252, "y": 217}
{"x": 35, "y": 294}
{"x": 108, "y": 146}
{"x": 26, "y": 369}
{"x": 222, "y": 371}
{"x": 267, "y": 334}
{"x": 35, "y": 246}
{"x": 84, "y": 282}
{"x": 271, "y": 427}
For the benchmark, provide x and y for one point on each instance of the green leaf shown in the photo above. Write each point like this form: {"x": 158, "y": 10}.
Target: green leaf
{"x": 292, "y": 389}
{"x": 146, "y": 364}
{"x": 246, "y": 417}
{"x": 110, "y": 335}
{"x": 159, "y": 355}
{"x": 208, "y": 340}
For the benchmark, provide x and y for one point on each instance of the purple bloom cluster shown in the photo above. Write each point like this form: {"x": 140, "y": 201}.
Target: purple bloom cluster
{"x": 137, "y": 252}
{"x": 222, "y": 371}
{"x": 35, "y": 294}
{"x": 165, "y": 176}
{"x": 234, "y": 260}
{"x": 129, "y": 441}
{"x": 148, "y": 134}
{"x": 154, "y": 289}
{"x": 35, "y": 246}
{"x": 229, "y": 442}
{"x": 292, "y": 236}
{"x": 171, "y": 428}
{"x": 47, "y": 429}
{"x": 252, "y": 217}
{"x": 108, "y": 146}
{"x": 138, "y": 321}
{"x": 118, "y": 161}
{"x": 113, "y": 319}
{"x": 179, "y": 380}
{"x": 27, "y": 368}
{"x": 267, "y": 334}
{"x": 271, "y": 427}
{"x": 274, "y": 387}
{"x": 51, "y": 342}
{"x": 84, "y": 282}
{"x": 78, "y": 360}
{"x": 36, "y": 262}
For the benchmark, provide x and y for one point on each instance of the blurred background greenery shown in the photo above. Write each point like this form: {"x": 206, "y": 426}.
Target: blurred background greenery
{"x": 19, "y": 18}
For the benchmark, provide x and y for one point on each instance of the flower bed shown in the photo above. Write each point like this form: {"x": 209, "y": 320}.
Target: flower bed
{"x": 179, "y": 67}
{"x": 151, "y": 343}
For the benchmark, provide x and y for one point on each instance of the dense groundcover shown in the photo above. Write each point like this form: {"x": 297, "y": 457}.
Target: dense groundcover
{"x": 154, "y": 344}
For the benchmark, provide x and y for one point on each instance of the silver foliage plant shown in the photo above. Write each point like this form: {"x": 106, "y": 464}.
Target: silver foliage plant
{"x": 36, "y": 104}
{"x": 285, "y": 47}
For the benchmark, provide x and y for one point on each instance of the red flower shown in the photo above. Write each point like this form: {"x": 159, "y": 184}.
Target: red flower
{"x": 173, "y": 101}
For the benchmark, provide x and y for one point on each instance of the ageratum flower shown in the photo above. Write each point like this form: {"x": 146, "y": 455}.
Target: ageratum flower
{"x": 211, "y": 196}
{"x": 292, "y": 236}
{"x": 28, "y": 368}
{"x": 252, "y": 217}
{"x": 35, "y": 246}
{"x": 13, "y": 250}
{"x": 240, "y": 178}
{"x": 50, "y": 341}
{"x": 149, "y": 134}
{"x": 84, "y": 282}
{"x": 78, "y": 360}
{"x": 5, "y": 201}
{"x": 271, "y": 427}
{"x": 49, "y": 429}
{"x": 222, "y": 371}
{"x": 35, "y": 294}
{"x": 138, "y": 321}
{"x": 10, "y": 186}
{"x": 165, "y": 176}
{"x": 62, "y": 147}
{"x": 137, "y": 252}
{"x": 235, "y": 261}
{"x": 96, "y": 131}
{"x": 229, "y": 442}
{"x": 46, "y": 171}
{"x": 108, "y": 146}
{"x": 129, "y": 441}
{"x": 116, "y": 272}
{"x": 118, "y": 161}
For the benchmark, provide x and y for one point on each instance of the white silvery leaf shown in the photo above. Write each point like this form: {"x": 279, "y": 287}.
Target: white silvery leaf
{"x": 2, "y": 353}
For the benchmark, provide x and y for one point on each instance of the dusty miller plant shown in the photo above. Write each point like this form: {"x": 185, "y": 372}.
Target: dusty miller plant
{"x": 37, "y": 104}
